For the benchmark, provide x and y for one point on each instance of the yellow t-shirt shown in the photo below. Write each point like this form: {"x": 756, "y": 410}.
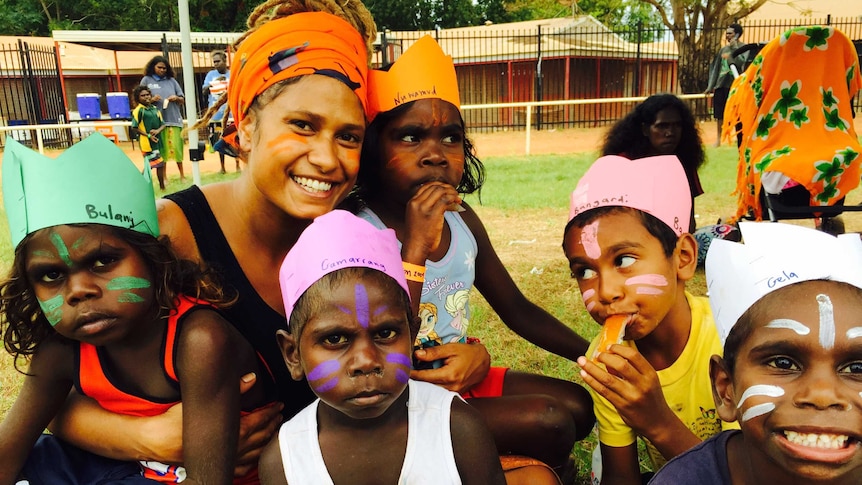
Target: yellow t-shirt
{"x": 685, "y": 384}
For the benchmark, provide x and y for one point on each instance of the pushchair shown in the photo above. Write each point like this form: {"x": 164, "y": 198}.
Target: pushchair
{"x": 791, "y": 111}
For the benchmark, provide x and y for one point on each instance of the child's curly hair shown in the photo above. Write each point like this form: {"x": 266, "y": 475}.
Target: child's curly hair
{"x": 370, "y": 161}
{"x": 24, "y": 326}
{"x": 353, "y": 12}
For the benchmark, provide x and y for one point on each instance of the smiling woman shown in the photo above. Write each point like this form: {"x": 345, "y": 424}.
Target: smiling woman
{"x": 300, "y": 123}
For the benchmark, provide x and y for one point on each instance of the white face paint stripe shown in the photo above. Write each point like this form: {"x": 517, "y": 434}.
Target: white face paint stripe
{"x": 854, "y": 332}
{"x": 827, "y": 322}
{"x": 760, "y": 390}
{"x": 759, "y": 410}
{"x": 789, "y": 324}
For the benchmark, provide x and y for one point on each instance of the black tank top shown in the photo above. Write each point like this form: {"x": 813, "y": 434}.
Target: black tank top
{"x": 254, "y": 319}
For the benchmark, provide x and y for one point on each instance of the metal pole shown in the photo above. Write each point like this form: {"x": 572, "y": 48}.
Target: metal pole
{"x": 196, "y": 153}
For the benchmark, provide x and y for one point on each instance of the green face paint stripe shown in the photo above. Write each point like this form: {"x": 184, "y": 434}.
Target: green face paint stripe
{"x": 128, "y": 283}
{"x": 52, "y": 308}
{"x": 129, "y": 297}
{"x": 62, "y": 250}
{"x": 43, "y": 254}
{"x": 78, "y": 243}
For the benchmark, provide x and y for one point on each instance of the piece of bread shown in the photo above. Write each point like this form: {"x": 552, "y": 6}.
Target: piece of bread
{"x": 613, "y": 332}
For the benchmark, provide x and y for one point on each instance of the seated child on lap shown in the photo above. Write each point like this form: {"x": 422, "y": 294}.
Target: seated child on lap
{"x": 348, "y": 313}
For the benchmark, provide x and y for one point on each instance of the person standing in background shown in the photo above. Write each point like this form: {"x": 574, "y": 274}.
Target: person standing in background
{"x": 168, "y": 96}
{"x": 215, "y": 84}
{"x": 721, "y": 74}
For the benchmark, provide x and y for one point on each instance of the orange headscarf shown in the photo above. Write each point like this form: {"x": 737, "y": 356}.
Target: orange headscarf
{"x": 296, "y": 45}
{"x": 794, "y": 107}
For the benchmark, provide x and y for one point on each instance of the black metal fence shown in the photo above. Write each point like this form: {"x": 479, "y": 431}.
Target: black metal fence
{"x": 32, "y": 92}
{"x": 579, "y": 58}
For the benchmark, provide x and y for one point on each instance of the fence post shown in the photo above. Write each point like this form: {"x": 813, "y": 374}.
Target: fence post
{"x": 637, "y": 86}
{"x": 384, "y": 50}
{"x": 538, "y": 78}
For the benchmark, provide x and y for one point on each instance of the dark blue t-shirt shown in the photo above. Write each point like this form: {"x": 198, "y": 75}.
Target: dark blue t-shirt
{"x": 705, "y": 464}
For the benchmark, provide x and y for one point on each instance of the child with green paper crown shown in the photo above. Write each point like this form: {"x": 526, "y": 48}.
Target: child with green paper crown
{"x": 95, "y": 300}
{"x": 348, "y": 319}
{"x": 628, "y": 247}
{"x": 787, "y": 306}
{"x": 147, "y": 119}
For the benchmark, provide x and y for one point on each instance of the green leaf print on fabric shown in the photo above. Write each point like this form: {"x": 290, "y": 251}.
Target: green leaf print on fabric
{"x": 757, "y": 87}
{"x": 850, "y": 74}
{"x": 818, "y": 38}
{"x": 828, "y": 171}
{"x": 799, "y": 117}
{"x": 829, "y": 99}
{"x": 764, "y": 124}
{"x": 829, "y": 192}
{"x": 770, "y": 157}
{"x": 789, "y": 98}
{"x": 833, "y": 120}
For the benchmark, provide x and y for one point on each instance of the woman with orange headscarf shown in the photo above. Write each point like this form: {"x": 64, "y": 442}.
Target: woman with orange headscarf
{"x": 298, "y": 96}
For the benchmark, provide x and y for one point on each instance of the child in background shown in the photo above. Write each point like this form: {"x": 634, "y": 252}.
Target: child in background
{"x": 787, "y": 304}
{"x": 97, "y": 301}
{"x": 147, "y": 119}
{"x": 628, "y": 246}
{"x": 415, "y": 161}
{"x": 348, "y": 313}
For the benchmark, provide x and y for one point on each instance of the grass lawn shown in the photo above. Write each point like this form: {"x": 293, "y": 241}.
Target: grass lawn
{"x": 524, "y": 206}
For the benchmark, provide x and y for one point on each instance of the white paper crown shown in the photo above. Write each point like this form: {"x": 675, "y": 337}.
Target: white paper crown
{"x": 91, "y": 182}
{"x": 774, "y": 255}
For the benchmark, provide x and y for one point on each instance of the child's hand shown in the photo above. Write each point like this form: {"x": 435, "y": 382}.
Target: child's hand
{"x": 256, "y": 429}
{"x": 631, "y": 384}
{"x": 424, "y": 217}
{"x": 464, "y": 365}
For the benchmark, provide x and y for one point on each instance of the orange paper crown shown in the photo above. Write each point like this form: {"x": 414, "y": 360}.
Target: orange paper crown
{"x": 423, "y": 71}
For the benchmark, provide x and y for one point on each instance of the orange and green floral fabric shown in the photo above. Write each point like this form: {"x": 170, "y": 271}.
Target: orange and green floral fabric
{"x": 793, "y": 104}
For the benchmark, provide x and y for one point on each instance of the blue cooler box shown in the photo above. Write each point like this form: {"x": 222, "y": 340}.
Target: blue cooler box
{"x": 118, "y": 106}
{"x": 88, "y": 106}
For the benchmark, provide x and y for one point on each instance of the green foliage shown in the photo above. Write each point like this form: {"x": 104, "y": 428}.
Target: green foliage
{"x": 40, "y": 17}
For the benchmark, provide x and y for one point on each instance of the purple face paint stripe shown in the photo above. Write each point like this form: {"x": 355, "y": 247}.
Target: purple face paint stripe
{"x": 327, "y": 386}
{"x": 344, "y": 309}
{"x": 399, "y": 359}
{"x": 363, "y": 315}
{"x": 380, "y": 310}
{"x": 401, "y": 376}
{"x": 324, "y": 369}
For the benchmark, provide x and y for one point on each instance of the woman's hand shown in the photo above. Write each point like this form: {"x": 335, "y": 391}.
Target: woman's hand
{"x": 464, "y": 365}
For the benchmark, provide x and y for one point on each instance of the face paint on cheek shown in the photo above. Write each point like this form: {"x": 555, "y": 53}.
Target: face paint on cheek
{"x": 126, "y": 283}
{"x": 322, "y": 371}
{"x": 400, "y": 374}
{"x": 759, "y": 409}
{"x": 588, "y": 295}
{"x": 62, "y": 250}
{"x": 827, "y": 322}
{"x": 854, "y": 332}
{"x": 53, "y": 309}
{"x": 285, "y": 139}
{"x": 590, "y": 240}
{"x": 789, "y": 324}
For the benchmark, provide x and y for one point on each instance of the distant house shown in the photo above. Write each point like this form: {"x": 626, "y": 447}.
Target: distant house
{"x": 553, "y": 59}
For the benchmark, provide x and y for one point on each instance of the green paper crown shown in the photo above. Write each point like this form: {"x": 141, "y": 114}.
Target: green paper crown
{"x": 91, "y": 182}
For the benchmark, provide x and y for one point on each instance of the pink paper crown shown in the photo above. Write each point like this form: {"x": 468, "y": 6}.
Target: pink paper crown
{"x": 334, "y": 241}
{"x": 655, "y": 185}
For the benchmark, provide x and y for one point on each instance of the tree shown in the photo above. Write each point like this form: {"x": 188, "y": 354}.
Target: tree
{"x": 697, "y": 27}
